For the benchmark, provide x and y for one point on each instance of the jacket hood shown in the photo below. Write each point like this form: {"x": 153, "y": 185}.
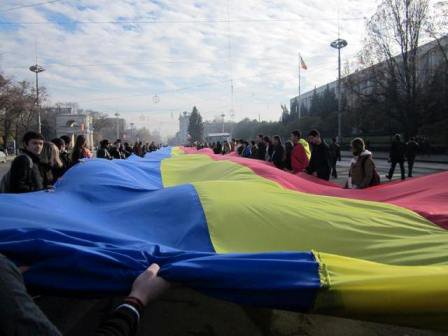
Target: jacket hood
{"x": 366, "y": 152}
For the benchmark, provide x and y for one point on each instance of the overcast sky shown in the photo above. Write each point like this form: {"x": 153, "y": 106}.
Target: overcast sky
{"x": 116, "y": 55}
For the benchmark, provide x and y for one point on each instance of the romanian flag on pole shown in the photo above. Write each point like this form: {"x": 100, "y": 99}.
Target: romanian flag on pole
{"x": 302, "y": 63}
{"x": 240, "y": 230}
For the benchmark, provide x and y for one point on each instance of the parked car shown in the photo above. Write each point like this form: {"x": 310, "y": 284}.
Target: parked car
{"x": 2, "y": 157}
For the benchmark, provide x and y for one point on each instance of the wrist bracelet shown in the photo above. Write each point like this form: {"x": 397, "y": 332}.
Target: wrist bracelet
{"x": 126, "y": 305}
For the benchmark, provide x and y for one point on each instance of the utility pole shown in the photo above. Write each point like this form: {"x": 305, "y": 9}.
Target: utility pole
{"x": 36, "y": 69}
{"x": 339, "y": 44}
{"x": 299, "y": 102}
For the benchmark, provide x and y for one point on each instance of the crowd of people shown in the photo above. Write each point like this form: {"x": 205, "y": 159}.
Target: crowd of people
{"x": 315, "y": 156}
{"x": 41, "y": 163}
{"x": 119, "y": 150}
{"x": 38, "y": 167}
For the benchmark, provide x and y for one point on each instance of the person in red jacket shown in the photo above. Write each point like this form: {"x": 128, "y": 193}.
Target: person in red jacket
{"x": 301, "y": 154}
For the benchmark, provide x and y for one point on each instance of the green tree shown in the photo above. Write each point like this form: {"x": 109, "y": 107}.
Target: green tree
{"x": 315, "y": 107}
{"x": 286, "y": 116}
{"x": 304, "y": 110}
{"x": 196, "y": 126}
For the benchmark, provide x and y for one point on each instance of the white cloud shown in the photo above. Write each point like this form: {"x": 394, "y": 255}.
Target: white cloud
{"x": 119, "y": 67}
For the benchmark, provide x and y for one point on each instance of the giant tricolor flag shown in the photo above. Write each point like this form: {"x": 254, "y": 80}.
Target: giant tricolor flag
{"x": 240, "y": 230}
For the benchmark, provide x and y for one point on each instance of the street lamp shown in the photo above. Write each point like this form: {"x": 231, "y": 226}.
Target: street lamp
{"x": 36, "y": 69}
{"x": 223, "y": 116}
{"x": 339, "y": 44}
{"x": 132, "y": 131}
{"x": 118, "y": 130}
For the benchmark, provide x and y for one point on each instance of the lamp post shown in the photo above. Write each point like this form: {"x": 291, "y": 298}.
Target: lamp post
{"x": 339, "y": 44}
{"x": 132, "y": 131}
{"x": 118, "y": 129}
{"x": 36, "y": 69}
{"x": 223, "y": 116}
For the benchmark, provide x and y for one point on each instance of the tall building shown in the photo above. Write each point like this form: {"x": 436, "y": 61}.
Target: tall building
{"x": 429, "y": 59}
{"x": 184, "y": 120}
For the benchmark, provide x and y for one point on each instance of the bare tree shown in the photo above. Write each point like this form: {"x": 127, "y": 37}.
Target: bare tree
{"x": 143, "y": 134}
{"x": 102, "y": 125}
{"x": 394, "y": 33}
{"x": 437, "y": 26}
{"x": 17, "y": 104}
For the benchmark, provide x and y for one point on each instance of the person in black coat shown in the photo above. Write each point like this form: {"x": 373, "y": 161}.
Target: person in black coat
{"x": 335, "y": 155}
{"x": 116, "y": 151}
{"x": 411, "y": 153}
{"x": 127, "y": 150}
{"x": 103, "y": 151}
{"x": 261, "y": 148}
{"x": 24, "y": 317}
{"x": 396, "y": 155}
{"x": 320, "y": 157}
{"x": 269, "y": 148}
{"x": 288, "y": 150}
{"x": 25, "y": 173}
{"x": 278, "y": 153}
{"x": 218, "y": 148}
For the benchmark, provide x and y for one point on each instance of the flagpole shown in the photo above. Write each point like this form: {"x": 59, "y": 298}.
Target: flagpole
{"x": 300, "y": 99}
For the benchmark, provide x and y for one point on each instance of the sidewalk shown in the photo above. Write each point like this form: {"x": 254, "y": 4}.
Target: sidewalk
{"x": 434, "y": 158}
{"x": 10, "y": 158}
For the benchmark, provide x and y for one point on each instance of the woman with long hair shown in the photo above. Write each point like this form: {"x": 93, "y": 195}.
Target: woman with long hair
{"x": 50, "y": 164}
{"x": 80, "y": 150}
{"x": 288, "y": 150}
{"x": 269, "y": 148}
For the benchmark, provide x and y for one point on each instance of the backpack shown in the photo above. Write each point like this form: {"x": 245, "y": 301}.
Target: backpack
{"x": 5, "y": 183}
{"x": 376, "y": 180}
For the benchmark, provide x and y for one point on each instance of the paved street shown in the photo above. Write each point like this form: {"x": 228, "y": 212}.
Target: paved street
{"x": 4, "y": 168}
{"x": 420, "y": 168}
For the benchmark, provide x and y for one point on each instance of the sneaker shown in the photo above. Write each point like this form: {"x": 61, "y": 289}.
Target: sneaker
{"x": 388, "y": 177}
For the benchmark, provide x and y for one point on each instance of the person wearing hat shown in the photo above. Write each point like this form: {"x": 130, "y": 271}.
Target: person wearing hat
{"x": 103, "y": 151}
